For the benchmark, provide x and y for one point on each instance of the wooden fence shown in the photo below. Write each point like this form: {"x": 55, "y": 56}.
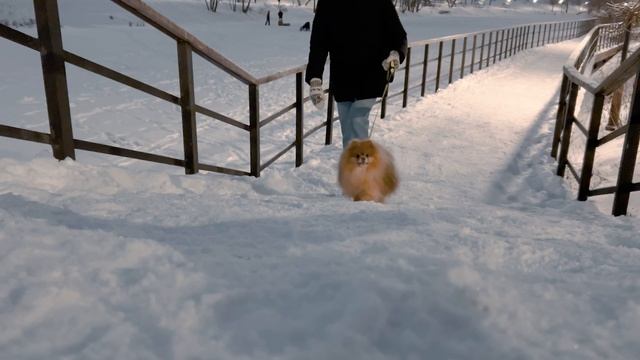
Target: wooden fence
{"x": 602, "y": 41}
{"x": 479, "y": 49}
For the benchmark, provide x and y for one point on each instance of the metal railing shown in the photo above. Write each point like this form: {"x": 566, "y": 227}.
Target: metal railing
{"x": 603, "y": 41}
{"x": 483, "y": 48}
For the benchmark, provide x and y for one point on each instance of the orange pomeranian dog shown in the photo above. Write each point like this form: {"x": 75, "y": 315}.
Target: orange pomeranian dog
{"x": 366, "y": 171}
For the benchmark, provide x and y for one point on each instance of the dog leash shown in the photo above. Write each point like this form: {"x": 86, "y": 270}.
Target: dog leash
{"x": 390, "y": 73}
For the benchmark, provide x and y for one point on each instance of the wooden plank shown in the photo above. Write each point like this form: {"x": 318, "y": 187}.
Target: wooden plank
{"x": 118, "y": 77}
{"x": 562, "y": 108}
{"x": 489, "y": 49}
{"x": 278, "y": 114}
{"x": 19, "y": 37}
{"x": 281, "y": 74}
{"x": 162, "y": 23}
{"x": 299, "y": 120}
{"x": 407, "y": 69}
{"x": 590, "y": 148}
{"x": 481, "y": 52}
{"x": 613, "y": 135}
{"x": 579, "y": 125}
{"x": 464, "y": 56}
{"x": 131, "y": 154}
{"x": 278, "y": 156}
{"x": 55, "y": 78}
{"x": 573, "y": 171}
{"x": 602, "y": 191}
{"x": 425, "y": 63}
{"x": 495, "y": 48}
{"x": 217, "y": 116}
{"x": 254, "y": 129}
{"x": 24, "y": 134}
{"x": 222, "y": 170}
{"x": 187, "y": 104}
{"x": 328, "y": 138}
{"x": 314, "y": 129}
{"x": 502, "y": 47}
{"x": 582, "y": 81}
{"x": 567, "y": 126}
{"x": 451, "y": 62}
{"x": 473, "y": 52}
{"x": 439, "y": 68}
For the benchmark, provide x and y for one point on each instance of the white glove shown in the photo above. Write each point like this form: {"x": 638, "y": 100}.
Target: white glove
{"x": 316, "y": 93}
{"x": 392, "y": 61}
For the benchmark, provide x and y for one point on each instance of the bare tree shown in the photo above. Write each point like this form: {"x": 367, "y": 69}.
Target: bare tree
{"x": 411, "y": 5}
{"x": 212, "y": 5}
{"x": 245, "y": 8}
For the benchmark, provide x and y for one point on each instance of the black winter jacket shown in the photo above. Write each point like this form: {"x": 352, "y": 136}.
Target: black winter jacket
{"x": 358, "y": 35}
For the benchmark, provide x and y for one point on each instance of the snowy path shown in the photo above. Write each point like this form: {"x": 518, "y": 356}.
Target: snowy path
{"x": 482, "y": 254}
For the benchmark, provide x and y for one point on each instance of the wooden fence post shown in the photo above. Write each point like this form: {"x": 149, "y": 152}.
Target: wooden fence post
{"x": 539, "y": 31}
{"x": 55, "y": 78}
{"x": 502, "y": 44}
{"x": 407, "y": 69}
{"x": 562, "y": 108}
{"x": 299, "y": 119}
{"x": 473, "y": 52}
{"x": 451, "y": 64}
{"x": 495, "y": 48}
{"x": 187, "y": 103}
{"x": 629, "y": 155}
{"x": 520, "y": 41}
{"x": 424, "y": 70}
{"x": 567, "y": 126}
{"x": 464, "y": 57}
{"x": 481, "y": 52}
{"x": 439, "y": 66}
{"x": 513, "y": 31}
{"x": 489, "y": 48}
{"x": 254, "y": 129}
{"x": 590, "y": 148}
{"x": 328, "y": 137}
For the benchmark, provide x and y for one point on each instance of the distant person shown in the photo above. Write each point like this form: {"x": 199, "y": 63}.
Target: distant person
{"x": 306, "y": 26}
{"x": 364, "y": 39}
{"x": 280, "y": 20}
{"x": 268, "y": 22}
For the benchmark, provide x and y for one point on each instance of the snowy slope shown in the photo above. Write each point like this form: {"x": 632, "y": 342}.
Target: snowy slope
{"x": 482, "y": 254}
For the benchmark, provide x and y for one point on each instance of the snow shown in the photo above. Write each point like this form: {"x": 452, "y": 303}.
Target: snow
{"x": 482, "y": 253}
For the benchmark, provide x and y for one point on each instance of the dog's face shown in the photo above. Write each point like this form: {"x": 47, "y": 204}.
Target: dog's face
{"x": 366, "y": 171}
{"x": 362, "y": 152}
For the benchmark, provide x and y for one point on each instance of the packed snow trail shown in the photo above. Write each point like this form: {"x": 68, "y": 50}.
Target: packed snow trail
{"x": 482, "y": 254}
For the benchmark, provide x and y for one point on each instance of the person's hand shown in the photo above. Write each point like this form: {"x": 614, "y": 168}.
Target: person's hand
{"x": 316, "y": 93}
{"x": 393, "y": 61}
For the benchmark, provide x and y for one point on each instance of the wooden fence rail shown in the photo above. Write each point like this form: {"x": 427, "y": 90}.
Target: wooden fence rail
{"x": 603, "y": 41}
{"x": 504, "y": 42}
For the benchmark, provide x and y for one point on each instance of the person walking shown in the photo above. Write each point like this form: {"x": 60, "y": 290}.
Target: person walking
{"x": 268, "y": 22}
{"x": 363, "y": 39}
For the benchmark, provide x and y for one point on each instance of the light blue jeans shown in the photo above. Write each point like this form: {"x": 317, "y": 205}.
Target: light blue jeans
{"x": 354, "y": 119}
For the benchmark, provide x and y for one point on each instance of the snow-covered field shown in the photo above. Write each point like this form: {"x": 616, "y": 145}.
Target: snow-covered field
{"x": 483, "y": 253}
